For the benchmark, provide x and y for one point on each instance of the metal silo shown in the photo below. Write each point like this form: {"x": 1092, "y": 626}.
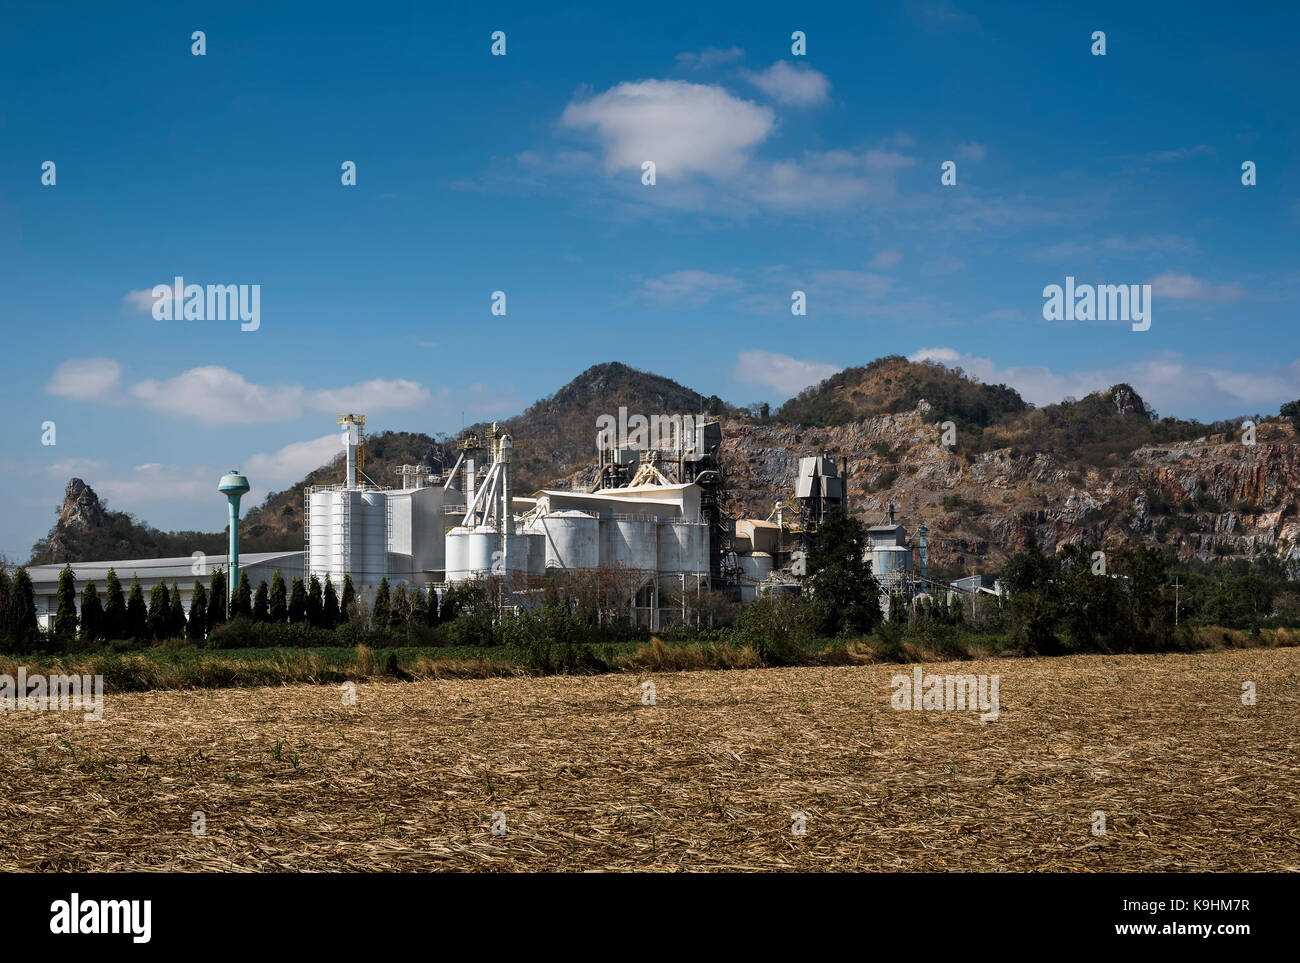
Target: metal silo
{"x": 630, "y": 542}
{"x": 683, "y": 547}
{"x": 571, "y": 538}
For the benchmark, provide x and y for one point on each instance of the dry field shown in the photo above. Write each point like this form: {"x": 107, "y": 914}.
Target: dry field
{"x": 289, "y": 778}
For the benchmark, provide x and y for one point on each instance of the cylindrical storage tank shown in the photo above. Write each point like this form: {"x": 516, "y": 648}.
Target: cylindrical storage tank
{"x": 457, "y": 553}
{"x": 888, "y": 559}
{"x": 630, "y": 543}
{"x": 755, "y": 565}
{"x": 480, "y": 545}
{"x": 571, "y": 539}
{"x": 683, "y": 547}
{"x": 536, "y": 553}
{"x": 517, "y": 557}
{"x": 325, "y": 533}
{"x": 369, "y": 535}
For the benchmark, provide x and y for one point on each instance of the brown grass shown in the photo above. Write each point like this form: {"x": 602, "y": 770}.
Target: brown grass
{"x": 707, "y": 779}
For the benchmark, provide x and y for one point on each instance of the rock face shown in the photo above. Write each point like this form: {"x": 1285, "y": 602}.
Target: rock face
{"x": 1204, "y": 499}
{"x": 81, "y": 511}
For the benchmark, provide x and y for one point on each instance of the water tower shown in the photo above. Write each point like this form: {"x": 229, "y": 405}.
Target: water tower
{"x": 233, "y": 486}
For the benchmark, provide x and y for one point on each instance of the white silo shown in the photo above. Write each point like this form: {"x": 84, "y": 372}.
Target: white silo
{"x": 571, "y": 539}
{"x": 630, "y": 542}
{"x": 683, "y": 547}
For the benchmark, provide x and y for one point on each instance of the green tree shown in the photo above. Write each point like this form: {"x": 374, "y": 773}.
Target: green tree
{"x": 261, "y": 604}
{"x": 379, "y": 611}
{"x": 845, "y": 595}
{"x": 315, "y": 603}
{"x": 137, "y": 614}
{"x": 330, "y": 604}
{"x": 242, "y": 601}
{"x": 297, "y": 602}
{"x": 197, "y": 626}
{"x": 348, "y": 603}
{"x": 1032, "y": 578}
{"x": 279, "y": 608}
{"x": 92, "y": 614}
{"x": 24, "y": 627}
{"x": 1291, "y": 412}
{"x": 176, "y": 615}
{"x": 399, "y": 607}
{"x": 114, "y": 608}
{"x": 160, "y": 610}
{"x": 65, "y": 615}
{"x": 216, "y": 599}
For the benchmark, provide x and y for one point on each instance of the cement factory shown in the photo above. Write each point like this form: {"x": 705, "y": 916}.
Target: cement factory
{"x": 655, "y": 518}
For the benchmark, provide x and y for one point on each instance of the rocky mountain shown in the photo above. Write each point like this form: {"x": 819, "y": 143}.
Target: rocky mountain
{"x": 983, "y": 468}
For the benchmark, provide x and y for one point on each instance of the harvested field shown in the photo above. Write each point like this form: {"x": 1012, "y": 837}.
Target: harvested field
{"x": 289, "y": 778}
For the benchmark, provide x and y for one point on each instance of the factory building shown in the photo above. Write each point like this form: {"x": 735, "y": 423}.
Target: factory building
{"x": 184, "y": 572}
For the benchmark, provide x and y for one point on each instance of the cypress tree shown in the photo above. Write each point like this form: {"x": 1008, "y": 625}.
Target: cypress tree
{"x": 379, "y": 612}
{"x": 348, "y": 604}
{"x": 197, "y": 627}
{"x": 176, "y": 615}
{"x": 315, "y": 603}
{"x": 6, "y": 587}
{"x": 261, "y": 610}
{"x": 160, "y": 610}
{"x": 137, "y": 614}
{"x": 22, "y": 600}
{"x": 330, "y": 605}
{"x": 114, "y": 609}
{"x": 279, "y": 599}
{"x": 242, "y": 602}
{"x": 92, "y": 614}
{"x": 297, "y": 602}
{"x": 216, "y": 599}
{"x": 65, "y": 616}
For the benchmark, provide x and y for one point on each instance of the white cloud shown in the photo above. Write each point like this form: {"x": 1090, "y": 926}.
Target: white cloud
{"x": 683, "y": 127}
{"x": 971, "y": 151}
{"x": 85, "y": 379}
{"x": 290, "y": 463}
{"x": 217, "y": 395}
{"x": 788, "y": 84}
{"x": 709, "y": 57}
{"x": 690, "y": 287}
{"x": 1169, "y": 384}
{"x": 887, "y": 258}
{"x": 141, "y": 300}
{"x": 1185, "y": 287}
{"x": 378, "y": 394}
{"x": 783, "y": 374}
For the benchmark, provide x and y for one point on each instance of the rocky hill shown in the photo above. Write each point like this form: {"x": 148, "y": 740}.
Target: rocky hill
{"x": 1104, "y": 468}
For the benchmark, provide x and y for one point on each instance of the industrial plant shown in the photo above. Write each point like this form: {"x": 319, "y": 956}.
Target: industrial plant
{"x": 656, "y": 517}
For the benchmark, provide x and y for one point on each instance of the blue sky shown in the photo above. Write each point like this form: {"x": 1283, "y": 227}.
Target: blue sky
{"x": 522, "y": 173}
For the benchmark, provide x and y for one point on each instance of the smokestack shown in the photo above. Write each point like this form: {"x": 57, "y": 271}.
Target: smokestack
{"x": 921, "y": 532}
{"x": 891, "y": 513}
